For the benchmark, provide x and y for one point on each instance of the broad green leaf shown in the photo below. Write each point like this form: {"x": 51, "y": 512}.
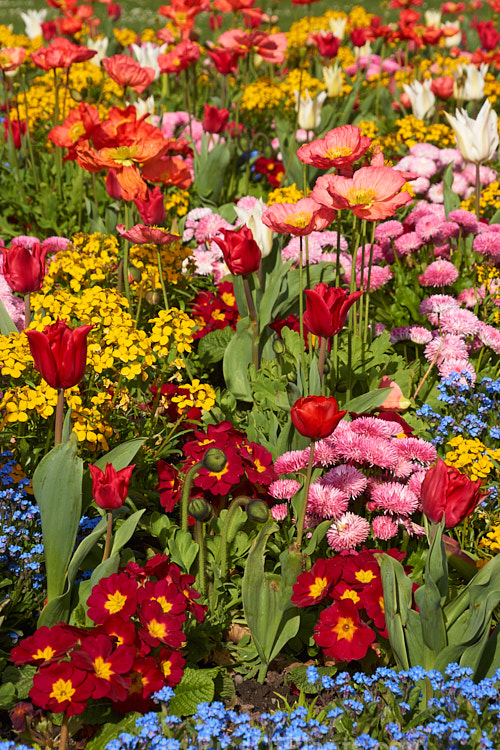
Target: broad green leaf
{"x": 126, "y": 531}
{"x": 112, "y": 731}
{"x": 7, "y": 325}
{"x": 212, "y": 346}
{"x": 237, "y": 359}
{"x": 367, "y": 401}
{"x": 451, "y": 199}
{"x": 197, "y": 686}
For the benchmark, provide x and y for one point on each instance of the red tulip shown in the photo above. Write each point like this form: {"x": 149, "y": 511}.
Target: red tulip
{"x": 446, "y": 490}
{"x": 60, "y": 353}
{"x": 316, "y": 417}
{"x": 215, "y": 120}
{"x": 110, "y": 487}
{"x": 24, "y": 267}
{"x": 240, "y": 251}
{"x": 225, "y": 60}
{"x": 327, "y": 308}
{"x": 328, "y": 44}
{"x": 152, "y": 210}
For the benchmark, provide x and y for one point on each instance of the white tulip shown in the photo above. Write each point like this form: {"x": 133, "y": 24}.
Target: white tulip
{"x": 309, "y": 110}
{"x": 364, "y": 51}
{"x": 333, "y": 80}
{"x": 145, "y": 107}
{"x": 469, "y": 82}
{"x": 433, "y": 18}
{"x": 477, "y": 140}
{"x": 262, "y": 235}
{"x": 32, "y": 21}
{"x": 100, "y": 45}
{"x": 147, "y": 55}
{"x": 454, "y": 39}
{"x": 421, "y": 97}
{"x": 337, "y": 27}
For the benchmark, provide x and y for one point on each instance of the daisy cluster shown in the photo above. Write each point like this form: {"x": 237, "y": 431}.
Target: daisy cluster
{"x": 369, "y": 481}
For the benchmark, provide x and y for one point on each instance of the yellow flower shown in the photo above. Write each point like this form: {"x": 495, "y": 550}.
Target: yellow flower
{"x": 290, "y": 194}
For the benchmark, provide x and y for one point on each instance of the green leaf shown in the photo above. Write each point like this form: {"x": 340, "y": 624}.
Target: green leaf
{"x": 57, "y": 486}
{"x": 367, "y": 401}
{"x": 451, "y": 199}
{"x": 125, "y": 531}
{"x": 273, "y": 287}
{"x": 212, "y": 346}
{"x": 237, "y": 359}
{"x": 318, "y": 534}
{"x": 183, "y": 549}
{"x": 112, "y": 731}
{"x": 7, "y": 695}
{"x": 7, "y": 325}
{"x": 197, "y": 686}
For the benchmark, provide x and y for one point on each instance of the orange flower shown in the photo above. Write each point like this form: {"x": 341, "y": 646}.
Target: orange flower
{"x": 125, "y": 71}
{"x": 299, "y": 218}
{"x": 11, "y": 58}
{"x": 78, "y": 124}
{"x": 179, "y": 58}
{"x": 373, "y": 193}
{"x": 61, "y": 53}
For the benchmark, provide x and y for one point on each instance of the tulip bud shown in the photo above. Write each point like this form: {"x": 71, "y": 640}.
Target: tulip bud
{"x": 200, "y": 509}
{"x": 316, "y": 417}
{"x": 214, "y": 460}
{"x": 257, "y": 511}
{"x": 110, "y": 487}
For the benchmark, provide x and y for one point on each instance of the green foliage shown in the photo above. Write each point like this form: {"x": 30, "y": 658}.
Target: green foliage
{"x": 197, "y": 686}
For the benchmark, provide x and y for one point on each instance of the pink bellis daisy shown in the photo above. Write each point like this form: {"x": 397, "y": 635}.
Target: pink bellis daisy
{"x": 348, "y": 532}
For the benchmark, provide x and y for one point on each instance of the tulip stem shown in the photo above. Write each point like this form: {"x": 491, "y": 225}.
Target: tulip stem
{"x": 322, "y": 356}
{"x": 63, "y": 737}
{"x": 59, "y": 416}
{"x": 478, "y": 190}
{"x": 254, "y": 323}
{"x": 300, "y": 525}
{"x": 109, "y": 527}
{"x": 27, "y": 310}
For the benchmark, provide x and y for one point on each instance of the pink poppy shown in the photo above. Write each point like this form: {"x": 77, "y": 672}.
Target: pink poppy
{"x": 340, "y": 148}
{"x": 140, "y": 234}
{"x": 373, "y": 193}
{"x": 299, "y": 218}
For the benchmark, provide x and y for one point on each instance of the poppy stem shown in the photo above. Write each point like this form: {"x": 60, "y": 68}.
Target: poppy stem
{"x": 199, "y": 537}
{"x": 368, "y": 280}
{"x": 300, "y": 525}
{"x": 63, "y": 737}
{"x": 301, "y": 294}
{"x": 59, "y": 416}
{"x": 109, "y": 528}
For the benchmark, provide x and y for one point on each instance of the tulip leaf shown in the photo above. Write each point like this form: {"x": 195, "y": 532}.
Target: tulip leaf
{"x": 271, "y": 294}
{"x": 125, "y": 531}
{"x": 451, "y": 199}
{"x": 237, "y": 358}
{"x": 397, "y": 601}
{"x": 7, "y": 325}
{"x": 57, "y": 486}
{"x": 367, "y": 401}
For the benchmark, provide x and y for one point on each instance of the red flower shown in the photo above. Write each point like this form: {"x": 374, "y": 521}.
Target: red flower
{"x": 106, "y": 665}
{"x": 446, "y": 490}
{"x": 259, "y": 466}
{"x": 61, "y": 688}
{"x": 327, "y": 308}
{"x": 126, "y": 71}
{"x": 78, "y": 125}
{"x": 225, "y": 60}
{"x": 166, "y": 594}
{"x": 360, "y": 570}
{"x": 340, "y": 148}
{"x": 299, "y": 219}
{"x": 169, "y": 485}
{"x": 112, "y": 595}
{"x": 328, "y": 44}
{"x": 342, "y": 591}
{"x": 183, "y": 583}
{"x": 11, "y": 58}
{"x": 171, "y": 664}
{"x": 240, "y": 251}
{"x": 312, "y": 587}
{"x": 60, "y": 353}
{"x": 442, "y": 87}
{"x": 358, "y": 37}
{"x": 123, "y": 632}
{"x": 489, "y": 37}
{"x": 214, "y": 120}
{"x": 146, "y": 678}
{"x": 152, "y": 209}
{"x": 159, "y": 627}
{"x": 179, "y": 58}
{"x": 316, "y": 417}
{"x": 16, "y": 129}
{"x": 61, "y": 53}
{"x": 140, "y": 234}
{"x": 44, "y": 646}
{"x": 110, "y": 487}
{"x": 24, "y": 268}
{"x": 341, "y": 633}
{"x": 373, "y": 602}
{"x": 221, "y": 482}
{"x": 272, "y": 169}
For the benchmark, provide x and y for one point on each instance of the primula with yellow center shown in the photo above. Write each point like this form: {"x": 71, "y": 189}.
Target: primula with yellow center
{"x": 115, "y": 602}
{"x": 350, "y": 594}
{"x": 164, "y": 603}
{"x": 157, "y": 629}
{"x": 102, "y": 668}
{"x": 345, "y": 629}
{"x": 364, "y": 576}
{"x": 47, "y": 653}
{"x": 62, "y": 690}
{"x": 316, "y": 589}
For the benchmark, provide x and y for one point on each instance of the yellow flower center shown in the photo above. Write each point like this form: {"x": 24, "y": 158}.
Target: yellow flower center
{"x": 219, "y": 474}
{"x": 345, "y": 629}
{"x": 115, "y": 602}
{"x": 365, "y": 576}
{"x": 317, "y": 588}
{"x": 335, "y": 153}
{"x": 156, "y": 629}
{"x": 62, "y": 690}
{"x": 361, "y": 196}
{"x": 350, "y": 594}
{"x": 229, "y": 299}
{"x": 300, "y": 219}
{"x": 164, "y": 604}
{"x": 166, "y": 668}
{"x": 76, "y": 131}
{"x": 123, "y": 155}
{"x": 258, "y": 466}
{"x": 47, "y": 653}
{"x": 102, "y": 668}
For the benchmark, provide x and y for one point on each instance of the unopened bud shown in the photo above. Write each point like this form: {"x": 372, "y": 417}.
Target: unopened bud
{"x": 200, "y": 509}
{"x": 257, "y": 511}
{"x": 214, "y": 460}
{"x": 279, "y": 347}
{"x": 152, "y": 297}
{"x": 134, "y": 274}
{"x": 76, "y": 95}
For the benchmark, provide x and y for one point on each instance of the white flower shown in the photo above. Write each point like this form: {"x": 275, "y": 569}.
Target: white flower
{"x": 145, "y": 106}
{"x": 333, "y": 80}
{"x": 309, "y": 110}
{"x": 262, "y": 235}
{"x": 421, "y": 97}
{"x": 364, "y": 51}
{"x": 337, "y": 26}
{"x": 100, "y": 45}
{"x": 433, "y": 18}
{"x": 477, "y": 140}
{"x": 32, "y": 21}
{"x": 469, "y": 82}
{"x": 454, "y": 39}
{"x": 147, "y": 55}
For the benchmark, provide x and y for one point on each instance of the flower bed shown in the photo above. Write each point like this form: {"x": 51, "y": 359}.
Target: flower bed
{"x": 250, "y": 340}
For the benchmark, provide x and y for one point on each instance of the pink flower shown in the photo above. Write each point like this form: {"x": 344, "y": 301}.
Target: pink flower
{"x": 379, "y": 276}
{"x": 408, "y": 243}
{"x": 389, "y": 230}
{"x": 373, "y": 193}
{"x": 284, "y": 489}
{"x": 279, "y": 512}
{"x": 325, "y": 453}
{"x": 340, "y": 148}
{"x": 490, "y": 336}
{"x": 487, "y": 244}
{"x": 472, "y": 296}
{"x": 326, "y": 501}
{"x": 435, "y": 306}
{"x": 415, "y": 482}
{"x": 446, "y": 347}
{"x": 348, "y": 532}
{"x": 420, "y": 335}
{"x": 457, "y": 365}
{"x": 439, "y": 273}
{"x": 416, "y": 449}
{"x": 460, "y": 322}
{"x": 420, "y": 166}
{"x": 373, "y": 427}
{"x": 292, "y": 461}
{"x": 299, "y": 218}
{"x": 393, "y": 497}
{"x": 401, "y": 333}
{"x": 346, "y": 478}
{"x": 384, "y": 528}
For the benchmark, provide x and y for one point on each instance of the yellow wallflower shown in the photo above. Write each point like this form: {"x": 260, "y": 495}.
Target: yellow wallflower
{"x": 472, "y": 457}
{"x": 290, "y": 194}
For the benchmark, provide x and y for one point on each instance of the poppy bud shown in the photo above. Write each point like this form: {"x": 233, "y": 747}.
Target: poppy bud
{"x": 199, "y": 509}
{"x": 214, "y": 460}
{"x": 152, "y": 297}
{"x": 257, "y": 511}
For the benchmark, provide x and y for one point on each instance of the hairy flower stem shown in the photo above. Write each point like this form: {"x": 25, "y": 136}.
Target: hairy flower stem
{"x": 368, "y": 280}
{"x": 186, "y": 489}
{"x": 238, "y": 502}
{"x": 109, "y": 528}
{"x": 126, "y": 284}
{"x": 427, "y": 372}
{"x": 59, "y": 416}
{"x": 478, "y": 190}
{"x": 199, "y": 537}
{"x": 63, "y": 737}
{"x": 300, "y": 525}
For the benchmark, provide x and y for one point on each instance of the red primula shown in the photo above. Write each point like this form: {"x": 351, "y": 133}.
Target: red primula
{"x": 172, "y": 666}
{"x": 373, "y": 602}
{"x": 158, "y": 627}
{"x": 44, "y": 646}
{"x": 360, "y": 570}
{"x": 112, "y": 595}
{"x": 313, "y": 586}
{"x": 122, "y": 631}
{"x": 171, "y": 600}
{"x": 343, "y": 590}
{"x": 169, "y": 485}
{"x": 61, "y": 688}
{"x": 106, "y": 665}
{"x": 341, "y": 633}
